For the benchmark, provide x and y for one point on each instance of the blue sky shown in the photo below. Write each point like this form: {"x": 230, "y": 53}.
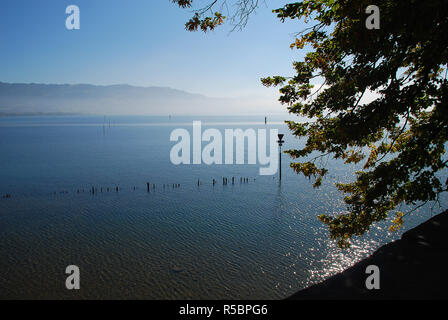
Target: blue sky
{"x": 142, "y": 42}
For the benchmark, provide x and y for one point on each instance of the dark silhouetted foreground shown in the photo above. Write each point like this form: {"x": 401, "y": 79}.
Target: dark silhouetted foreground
{"x": 413, "y": 267}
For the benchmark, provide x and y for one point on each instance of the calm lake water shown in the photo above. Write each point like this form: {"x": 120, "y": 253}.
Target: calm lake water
{"x": 255, "y": 240}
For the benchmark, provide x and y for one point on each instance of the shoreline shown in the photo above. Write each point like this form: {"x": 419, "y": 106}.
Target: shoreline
{"x": 412, "y": 267}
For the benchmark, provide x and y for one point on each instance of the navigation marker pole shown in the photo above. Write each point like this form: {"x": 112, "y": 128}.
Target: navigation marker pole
{"x": 280, "y": 143}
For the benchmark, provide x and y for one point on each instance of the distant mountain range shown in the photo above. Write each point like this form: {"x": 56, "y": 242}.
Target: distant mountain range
{"x": 18, "y": 98}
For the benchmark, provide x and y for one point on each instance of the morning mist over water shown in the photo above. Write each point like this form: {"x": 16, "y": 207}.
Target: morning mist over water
{"x": 16, "y": 99}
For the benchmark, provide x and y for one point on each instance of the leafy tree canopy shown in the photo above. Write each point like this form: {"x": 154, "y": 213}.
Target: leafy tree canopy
{"x": 399, "y": 137}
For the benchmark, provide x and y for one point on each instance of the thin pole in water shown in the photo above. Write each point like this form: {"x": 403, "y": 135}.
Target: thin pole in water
{"x": 280, "y": 143}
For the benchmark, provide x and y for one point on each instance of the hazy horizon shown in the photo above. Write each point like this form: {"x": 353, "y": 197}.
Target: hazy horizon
{"x": 32, "y": 98}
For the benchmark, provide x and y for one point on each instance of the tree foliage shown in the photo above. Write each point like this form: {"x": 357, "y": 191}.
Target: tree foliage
{"x": 207, "y": 18}
{"x": 398, "y": 137}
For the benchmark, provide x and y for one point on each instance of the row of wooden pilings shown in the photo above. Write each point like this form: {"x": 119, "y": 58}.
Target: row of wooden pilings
{"x": 94, "y": 190}
{"x": 225, "y": 181}
{"x": 149, "y": 186}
